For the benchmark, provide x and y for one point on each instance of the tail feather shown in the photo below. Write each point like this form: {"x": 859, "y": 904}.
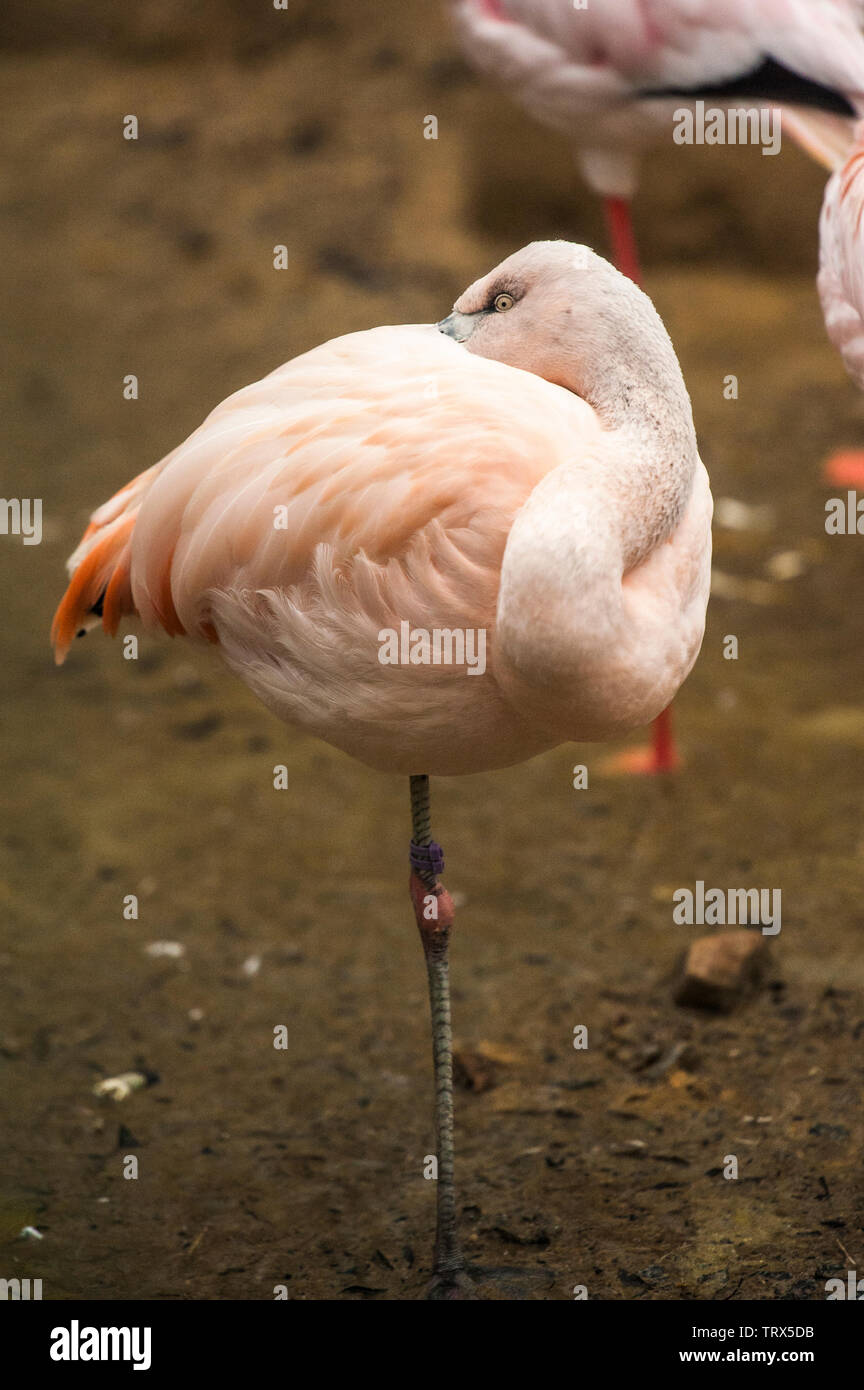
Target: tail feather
{"x": 99, "y": 587}
{"x": 825, "y": 137}
{"x": 100, "y": 570}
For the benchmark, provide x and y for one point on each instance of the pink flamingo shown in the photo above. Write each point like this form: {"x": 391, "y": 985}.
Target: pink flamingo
{"x": 841, "y": 285}
{"x": 610, "y": 75}
{"x": 529, "y": 472}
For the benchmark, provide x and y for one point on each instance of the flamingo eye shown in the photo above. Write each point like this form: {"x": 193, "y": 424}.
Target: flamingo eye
{"x": 502, "y": 302}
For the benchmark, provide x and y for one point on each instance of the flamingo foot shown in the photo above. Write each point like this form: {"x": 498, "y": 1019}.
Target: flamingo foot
{"x": 660, "y": 756}
{"x": 845, "y": 468}
{"x": 640, "y": 761}
{"x": 495, "y": 1284}
{"x": 453, "y": 1287}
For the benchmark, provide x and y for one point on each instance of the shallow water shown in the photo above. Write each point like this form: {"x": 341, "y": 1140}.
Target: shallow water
{"x": 154, "y": 777}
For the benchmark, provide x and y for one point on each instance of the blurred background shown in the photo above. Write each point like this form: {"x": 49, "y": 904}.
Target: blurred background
{"x": 154, "y": 257}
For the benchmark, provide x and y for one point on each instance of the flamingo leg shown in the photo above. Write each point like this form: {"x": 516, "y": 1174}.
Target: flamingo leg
{"x": 433, "y": 909}
{"x": 665, "y": 753}
{"x": 662, "y": 756}
{"x": 619, "y": 225}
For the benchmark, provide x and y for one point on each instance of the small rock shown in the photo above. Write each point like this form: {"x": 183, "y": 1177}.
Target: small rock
{"x": 120, "y": 1087}
{"x": 788, "y": 564}
{"x": 721, "y": 969}
{"x": 825, "y": 1131}
{"x": 174, "y": 950}
{"x": 473, "y": 1071}
{"x": 477, "y": 1068}
{"x": 736, "y": 515}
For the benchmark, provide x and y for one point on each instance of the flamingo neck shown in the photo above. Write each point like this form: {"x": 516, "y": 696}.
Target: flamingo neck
{"x": 588, "y": 646}
{"x": 629, "y": 373}
{"x": 593, "y": 630}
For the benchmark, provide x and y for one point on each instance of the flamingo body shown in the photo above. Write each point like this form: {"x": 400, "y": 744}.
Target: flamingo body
{"x": 397, "y": 476}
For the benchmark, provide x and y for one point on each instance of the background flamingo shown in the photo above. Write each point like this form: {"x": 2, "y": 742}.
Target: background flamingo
{"x": 531, "y": 470}
{"x": 610, "y": 75}
{"x": 841, "y": 284}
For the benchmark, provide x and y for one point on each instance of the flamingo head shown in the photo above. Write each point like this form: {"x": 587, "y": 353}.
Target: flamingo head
{"x": 536, "y": 310}
{"x": 560, "y": 311}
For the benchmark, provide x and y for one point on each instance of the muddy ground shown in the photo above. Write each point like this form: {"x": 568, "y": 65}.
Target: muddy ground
{"x": 154, "y": 778}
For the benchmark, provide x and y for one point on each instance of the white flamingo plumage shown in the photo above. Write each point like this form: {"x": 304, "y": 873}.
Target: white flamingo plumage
{"x": 530, "y": 470}
{"x": 841, "y": 287}
{"x": 841, "y": 260}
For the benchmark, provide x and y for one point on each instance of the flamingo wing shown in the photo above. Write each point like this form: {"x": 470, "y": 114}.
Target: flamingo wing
{"x": 393, "y": 445}
{"x": 369, "y": 483}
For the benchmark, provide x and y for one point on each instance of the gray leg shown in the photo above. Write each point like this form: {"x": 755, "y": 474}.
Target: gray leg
{"x": 433, "y": 909}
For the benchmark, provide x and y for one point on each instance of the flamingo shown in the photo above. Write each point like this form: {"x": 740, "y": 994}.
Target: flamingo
{"x": 841, "y": 284}
{"x": 841, "y": 259}
{"x": 610, "y": 74}
{"x": 527, "y": 468}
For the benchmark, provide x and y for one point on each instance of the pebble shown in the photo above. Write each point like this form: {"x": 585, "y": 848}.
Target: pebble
{"x": 120, "y": 1087}
{"x": 721, "y": 969}
{"x": 173, "y": 949}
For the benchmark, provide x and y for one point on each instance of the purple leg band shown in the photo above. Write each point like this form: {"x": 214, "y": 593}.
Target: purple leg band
{"x": 427, "y": 859}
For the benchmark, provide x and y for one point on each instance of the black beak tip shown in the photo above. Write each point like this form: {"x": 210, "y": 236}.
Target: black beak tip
{"x": 456, "y": 326}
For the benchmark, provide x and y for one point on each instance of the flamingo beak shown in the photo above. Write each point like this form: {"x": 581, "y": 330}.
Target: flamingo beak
{"x": 459, "y": 326}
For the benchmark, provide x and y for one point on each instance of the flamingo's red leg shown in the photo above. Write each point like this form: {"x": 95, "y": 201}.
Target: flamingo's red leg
{"x": 619, "y": 224}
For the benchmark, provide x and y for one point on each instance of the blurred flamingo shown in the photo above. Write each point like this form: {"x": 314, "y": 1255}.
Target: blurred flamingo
{"x": 530, "y": 471}
{"x": 610, "y": 75}
{"x": 841, "y": 286}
